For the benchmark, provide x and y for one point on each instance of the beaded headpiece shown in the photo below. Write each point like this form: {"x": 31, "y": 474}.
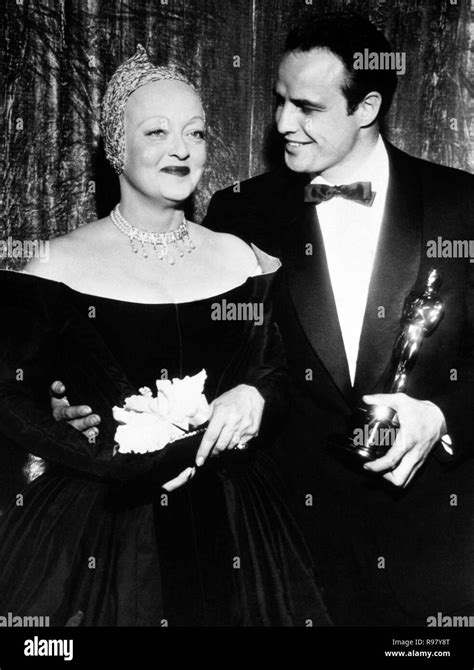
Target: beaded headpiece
{"x": 136, "y": 71}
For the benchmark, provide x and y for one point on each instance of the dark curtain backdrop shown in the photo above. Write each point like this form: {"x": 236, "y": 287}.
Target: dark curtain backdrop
{"x": 59, "y": 54}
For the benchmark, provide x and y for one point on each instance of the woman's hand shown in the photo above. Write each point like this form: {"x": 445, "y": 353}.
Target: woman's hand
{"x": 183, "y": 478}
{"x": 235, "y": 419}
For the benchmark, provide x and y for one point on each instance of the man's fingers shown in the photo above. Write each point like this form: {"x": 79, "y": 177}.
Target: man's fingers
{"x": 59, "y": 407}
{"x": 180, "y": 480}
{"x": 404, "y": 473}
{"x": 421, "y": 424}
{"x": 392, "y": 458}
{"x": 88, "y": 422}
{"x": 63, "y": 412}
{"x": 79, "y": 417}
{"x": 57, "y": 388}
{"x": 413, "y": 473}
{"x": 91, "y": 433}
{"x": 393, "y": 400}
{"x": 59, "y": 402}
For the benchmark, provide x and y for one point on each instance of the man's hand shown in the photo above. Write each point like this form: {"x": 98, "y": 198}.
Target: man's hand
{"x": 422, "y": 424}
{"x": 79, "y": 417}
{"x": 236, "y": 417}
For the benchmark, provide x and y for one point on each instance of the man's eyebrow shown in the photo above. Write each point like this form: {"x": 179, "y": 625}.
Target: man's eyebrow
{"x": 301, "y": 102}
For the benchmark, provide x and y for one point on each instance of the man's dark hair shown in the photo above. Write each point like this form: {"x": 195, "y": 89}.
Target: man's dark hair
{"x": 345, "y": 35}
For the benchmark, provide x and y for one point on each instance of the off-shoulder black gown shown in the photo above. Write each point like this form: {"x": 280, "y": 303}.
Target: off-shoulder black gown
{"x": 98, "y": 534}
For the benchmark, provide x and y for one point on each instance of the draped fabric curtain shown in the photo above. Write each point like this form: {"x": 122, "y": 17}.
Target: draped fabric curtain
{"x": 59, "y": 54}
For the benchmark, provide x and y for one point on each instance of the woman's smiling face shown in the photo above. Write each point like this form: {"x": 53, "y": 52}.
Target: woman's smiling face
{"x": 165, "y": 145}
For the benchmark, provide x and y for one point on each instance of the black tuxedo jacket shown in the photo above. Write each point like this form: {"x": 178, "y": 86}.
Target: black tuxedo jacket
{"x": 369, "y": 537}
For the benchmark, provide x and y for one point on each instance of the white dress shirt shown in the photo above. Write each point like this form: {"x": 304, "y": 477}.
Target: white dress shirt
{"x": 350, "y": 232}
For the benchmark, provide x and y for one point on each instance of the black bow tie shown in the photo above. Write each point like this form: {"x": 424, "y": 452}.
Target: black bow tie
{"x": 359, "y": 191}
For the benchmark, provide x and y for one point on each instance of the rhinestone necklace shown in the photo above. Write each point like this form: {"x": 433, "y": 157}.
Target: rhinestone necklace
{"x": 178, "y": 240}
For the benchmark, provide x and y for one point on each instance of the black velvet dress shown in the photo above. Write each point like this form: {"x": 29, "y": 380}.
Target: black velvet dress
{"x": 96, "y": 533}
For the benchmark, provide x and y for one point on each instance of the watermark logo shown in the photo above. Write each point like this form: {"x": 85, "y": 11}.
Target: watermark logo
{"x": 447, "y": 621}
{"x": 12, "y": 621}
{"x": 441, "y": 248}
{"x": 27, "y": 249}
{"x": 237, "y": 311}
{"x": 382, "y": 437}
{"x": 383, "y": 60}
{"x": 42, "y": 647}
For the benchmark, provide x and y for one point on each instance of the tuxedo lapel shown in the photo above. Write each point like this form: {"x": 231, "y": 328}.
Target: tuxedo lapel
{"x": 395, "y": 271}
{"x": 309, "y": 285}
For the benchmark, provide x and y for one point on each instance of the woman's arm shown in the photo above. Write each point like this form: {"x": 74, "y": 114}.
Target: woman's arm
{"x": 259, "y": 402}
{"x": 32, "y": 316}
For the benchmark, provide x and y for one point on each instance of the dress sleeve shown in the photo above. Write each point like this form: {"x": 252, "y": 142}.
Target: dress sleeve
{"x": 33, "y": 313}
{"x": 266, "y": 364}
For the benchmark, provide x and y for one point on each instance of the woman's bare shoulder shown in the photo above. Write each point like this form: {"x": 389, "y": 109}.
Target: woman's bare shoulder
{"x": 232, "y": 249}
{"x": 65, "y": 253}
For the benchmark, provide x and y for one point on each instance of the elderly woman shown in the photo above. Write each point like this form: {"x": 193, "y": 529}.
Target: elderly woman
{"x": 97, "y": 538}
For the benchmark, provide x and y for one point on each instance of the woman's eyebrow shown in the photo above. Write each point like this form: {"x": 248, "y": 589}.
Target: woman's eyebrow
{"x": 151, "y": 118}
{"x": 198, "y": 117}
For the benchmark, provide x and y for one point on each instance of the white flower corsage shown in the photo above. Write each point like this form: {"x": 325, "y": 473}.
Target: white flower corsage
{"x": 148, "y": 423}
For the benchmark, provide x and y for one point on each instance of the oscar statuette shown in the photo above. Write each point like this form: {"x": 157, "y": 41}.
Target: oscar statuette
{"x": 375, "y": 427}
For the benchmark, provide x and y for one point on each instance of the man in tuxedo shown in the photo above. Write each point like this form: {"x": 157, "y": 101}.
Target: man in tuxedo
{"x": 393, "y": 542}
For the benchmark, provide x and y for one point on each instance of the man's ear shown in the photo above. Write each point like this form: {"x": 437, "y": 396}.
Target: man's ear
{"x": 368, "y": 109}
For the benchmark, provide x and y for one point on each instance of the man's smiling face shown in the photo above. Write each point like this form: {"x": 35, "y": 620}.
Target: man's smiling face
{"x": 320, "y": 136}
